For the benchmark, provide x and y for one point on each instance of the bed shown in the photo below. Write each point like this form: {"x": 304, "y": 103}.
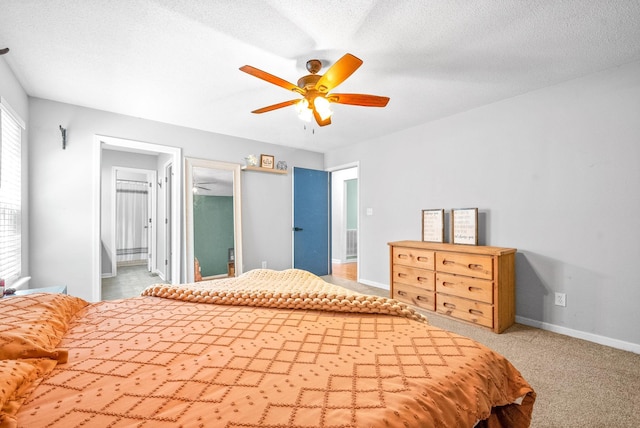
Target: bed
{"x": 266, "y": 349}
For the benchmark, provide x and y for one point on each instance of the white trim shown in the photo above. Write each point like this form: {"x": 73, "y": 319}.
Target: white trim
{"x": 168, "y": 192}
{"x": 350, "y": 165}
{"x": 96, "y": 264}
{"x": 22, "y": 282}
{"x": 595, "y": 338}
{"x": 4, "y": 105}
{"x": 374, "y": 284}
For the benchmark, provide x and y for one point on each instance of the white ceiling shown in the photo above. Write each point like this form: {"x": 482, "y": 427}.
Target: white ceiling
{"x": 177, "y": 61}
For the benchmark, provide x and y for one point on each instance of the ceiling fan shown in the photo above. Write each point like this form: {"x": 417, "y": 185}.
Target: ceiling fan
{"x": 315, "y": 89}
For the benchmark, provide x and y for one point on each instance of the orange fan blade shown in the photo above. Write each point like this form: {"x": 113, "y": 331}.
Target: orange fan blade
{"x": 359, "y": 100}
{"x": 276, "y": 106}
{"x": 338, "y": 73}
{"x": 319, "y": 119}
{"x": 271, "y": 78}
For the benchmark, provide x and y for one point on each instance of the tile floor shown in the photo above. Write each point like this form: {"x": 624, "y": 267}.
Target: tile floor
{"x": 129, "y": 282}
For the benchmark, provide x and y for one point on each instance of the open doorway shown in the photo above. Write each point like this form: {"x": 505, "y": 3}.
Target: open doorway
{"x": 162, "y": 257}
{"x": 344, "y": 223}
{"x": 132, "y": 247}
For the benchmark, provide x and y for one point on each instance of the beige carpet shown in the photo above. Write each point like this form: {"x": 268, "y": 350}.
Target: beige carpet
{"x": 578, "y": 383}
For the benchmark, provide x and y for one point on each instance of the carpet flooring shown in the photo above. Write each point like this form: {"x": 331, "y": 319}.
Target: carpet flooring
{"x": 578, "y": 383}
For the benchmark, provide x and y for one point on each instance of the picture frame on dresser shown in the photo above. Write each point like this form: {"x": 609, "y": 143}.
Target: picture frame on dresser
{"x": 464, "y": 226}
{"x": 433, "y": 225}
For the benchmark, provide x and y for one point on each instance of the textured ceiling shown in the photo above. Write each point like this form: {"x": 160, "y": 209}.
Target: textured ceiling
{"x": 177, "y": 61}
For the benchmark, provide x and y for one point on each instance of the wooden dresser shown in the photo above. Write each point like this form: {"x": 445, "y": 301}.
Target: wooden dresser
{"x": 471, "y": 283}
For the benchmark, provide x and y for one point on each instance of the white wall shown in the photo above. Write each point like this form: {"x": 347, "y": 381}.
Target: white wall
{"x": 555, "y": 173}
{"x": 61, "y": 185}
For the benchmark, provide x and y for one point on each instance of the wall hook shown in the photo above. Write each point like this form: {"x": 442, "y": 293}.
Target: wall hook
{"x": 64, "y": 137}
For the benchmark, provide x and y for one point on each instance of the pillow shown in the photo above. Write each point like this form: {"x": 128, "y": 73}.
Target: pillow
{"x": 31, "y": 326}
{"x": 18, "y": 378}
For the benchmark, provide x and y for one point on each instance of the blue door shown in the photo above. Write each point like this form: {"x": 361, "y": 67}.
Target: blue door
{"x": 311, "y": 220}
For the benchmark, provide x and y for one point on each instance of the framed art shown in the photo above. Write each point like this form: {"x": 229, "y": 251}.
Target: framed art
{"x": 464, "y": 226}
{"x": 433, "y": 225}
{"x": 266, "y": 161}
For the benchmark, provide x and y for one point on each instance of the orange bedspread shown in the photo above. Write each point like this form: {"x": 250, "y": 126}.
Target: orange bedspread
{"x": 157, "y": 362}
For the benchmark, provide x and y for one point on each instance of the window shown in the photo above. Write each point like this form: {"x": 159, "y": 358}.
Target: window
{"x": 10, "y": 193}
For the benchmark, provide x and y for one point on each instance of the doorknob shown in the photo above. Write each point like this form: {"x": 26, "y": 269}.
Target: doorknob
{"x": 297, "y": 229}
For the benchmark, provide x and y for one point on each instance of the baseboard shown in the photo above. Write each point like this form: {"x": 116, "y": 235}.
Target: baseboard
{"x": 342, "y": 262}
{"x": 595, "y": 338}
{"x": 374, "y": 284}
{"x": 21, "y": 283}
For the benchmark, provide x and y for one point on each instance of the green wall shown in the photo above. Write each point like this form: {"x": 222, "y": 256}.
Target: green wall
{"x": 212, "y": 232}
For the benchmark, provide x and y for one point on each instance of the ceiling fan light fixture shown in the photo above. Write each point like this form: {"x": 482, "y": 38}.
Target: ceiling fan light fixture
{"x": 304, "y": 111}
{"x": 316, "y": 90}
{"x": 321, "y": 105}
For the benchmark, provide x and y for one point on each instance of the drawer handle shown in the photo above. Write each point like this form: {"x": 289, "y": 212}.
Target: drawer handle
{"x": 476, "y": 312}
{"x": 447, "y": 262}
{"x": 422, "y": 298}
{"x": 422, "y": 259}
{"x": 401, "y": 293}
{"x": 403, "y": 256}
{"x": 422, "y": 279}
{"x": 447, "y": 284}
{"x": 402, "y": 275}
{"x": 475, "y": 267}
{"x": 449, "y": 305}
{"x": 475, "y": 289}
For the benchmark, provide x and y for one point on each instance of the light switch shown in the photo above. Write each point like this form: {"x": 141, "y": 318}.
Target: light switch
{"x": 369, "y": 211}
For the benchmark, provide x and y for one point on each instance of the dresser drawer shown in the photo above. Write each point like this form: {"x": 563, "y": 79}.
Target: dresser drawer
{"x": 413, "y": 295}
{"x": 413, "y": 257}
{"x": 468, "y": 310}
{"x": 420, "y": 278}
{"x": 463, "y": 286}
{"x": 473, "y": 265}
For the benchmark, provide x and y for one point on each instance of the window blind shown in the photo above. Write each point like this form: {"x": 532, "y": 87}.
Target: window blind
{"x": 10, "y": 194}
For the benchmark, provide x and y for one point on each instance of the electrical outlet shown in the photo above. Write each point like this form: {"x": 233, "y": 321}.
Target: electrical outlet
{"x": 264, "y": 265}
{"x": 561, "y": 299}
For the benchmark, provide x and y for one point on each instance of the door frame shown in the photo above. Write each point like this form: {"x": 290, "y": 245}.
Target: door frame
{"x": 356, "y": 165}
{"x": 123, "y": 144}
{"x": 168, "y": 218}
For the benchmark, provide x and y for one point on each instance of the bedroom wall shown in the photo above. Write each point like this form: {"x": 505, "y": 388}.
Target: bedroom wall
{"x": 555, "y": 173}
{"x": 61, "y": 181}
{"x": 16, "y": 97}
